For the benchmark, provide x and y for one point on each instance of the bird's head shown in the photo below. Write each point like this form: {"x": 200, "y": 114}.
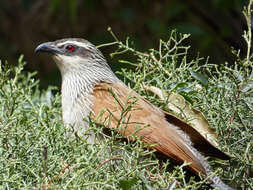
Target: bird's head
{"x": 74, "y": 54}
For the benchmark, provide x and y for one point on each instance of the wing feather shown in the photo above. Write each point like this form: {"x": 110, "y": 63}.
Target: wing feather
{"x": 154, "y": 126}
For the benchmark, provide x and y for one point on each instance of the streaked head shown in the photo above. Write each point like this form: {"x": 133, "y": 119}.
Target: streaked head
{"x": 73, "y": 53}
{"x": 78, "y": 59}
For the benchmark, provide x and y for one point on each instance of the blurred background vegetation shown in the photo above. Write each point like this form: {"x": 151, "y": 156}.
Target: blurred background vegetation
{"x": 215, "y": 26}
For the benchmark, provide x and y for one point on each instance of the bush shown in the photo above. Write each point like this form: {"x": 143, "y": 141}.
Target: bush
{"x": 37, "y": 151}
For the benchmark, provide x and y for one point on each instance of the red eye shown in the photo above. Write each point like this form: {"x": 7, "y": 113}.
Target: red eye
{"x": 70, "y": 48}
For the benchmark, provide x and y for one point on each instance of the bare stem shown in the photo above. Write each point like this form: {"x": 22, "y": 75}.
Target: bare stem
{"x": 248, "y": 34}
{"x": 108, "y": 160}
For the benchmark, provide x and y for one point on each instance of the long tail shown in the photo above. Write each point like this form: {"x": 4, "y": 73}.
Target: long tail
{"x": 213, "y": 179}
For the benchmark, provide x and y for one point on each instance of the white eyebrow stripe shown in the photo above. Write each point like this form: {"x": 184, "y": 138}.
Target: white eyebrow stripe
{"x": 80, "y": 44}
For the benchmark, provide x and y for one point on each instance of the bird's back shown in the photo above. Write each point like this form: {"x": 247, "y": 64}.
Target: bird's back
{"x": 126, "y": 110}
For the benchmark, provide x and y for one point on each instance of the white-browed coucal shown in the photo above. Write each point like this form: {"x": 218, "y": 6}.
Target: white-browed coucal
{"x": 89, "y": 86}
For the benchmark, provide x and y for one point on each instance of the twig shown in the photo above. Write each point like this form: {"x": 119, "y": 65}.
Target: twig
{"x": 249, "y": 33}
{"x": 44, "y": 156}
{"x": 151, "y": 55}
{"x": 151, "y": 176}
{"x": 57, "y": 176}
{"x": 248, "y": 37}
{"x": 108, "y": 160}
{"x": 233, "y": 116}
{"x": 63, "y": 169}
{"x": 159, "y": 64}
{"x": 178, "y": 183}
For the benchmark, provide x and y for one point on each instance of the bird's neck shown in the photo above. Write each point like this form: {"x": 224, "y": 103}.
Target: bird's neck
{"x": 80, "y": 83}
{"x": 77, "y": 91}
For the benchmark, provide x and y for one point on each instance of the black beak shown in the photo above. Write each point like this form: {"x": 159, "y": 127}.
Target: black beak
{"x": 48, "y": 47}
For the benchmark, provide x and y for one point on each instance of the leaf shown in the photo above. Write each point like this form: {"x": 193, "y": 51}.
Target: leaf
{"x": 238, "y": 76}
{"x": 172, "y": 185}
{"x": 175, "y": 86}
{"x": 127, "y": 184}
{"x": 248, "y": 86}
{"x": 196, "y": 119}
{"x": 188, "y": 90}
{"x": 201, "y": 78}
{"x": 186, "y": 97}
{"x": 178, "y": 105}
{"x": 149, "y": 187}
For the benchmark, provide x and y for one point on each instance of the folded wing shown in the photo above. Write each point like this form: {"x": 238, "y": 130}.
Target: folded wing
{"x": 126, "y": 110}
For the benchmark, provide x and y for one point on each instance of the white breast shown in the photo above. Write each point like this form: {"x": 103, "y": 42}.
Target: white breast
{"x": 76, "y": 106}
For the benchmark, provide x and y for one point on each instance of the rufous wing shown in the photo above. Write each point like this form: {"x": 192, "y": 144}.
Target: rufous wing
{"x": 117, "y": 106}
{"x": 199, "y": 142}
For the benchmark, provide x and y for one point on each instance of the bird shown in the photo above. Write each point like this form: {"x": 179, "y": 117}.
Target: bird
{"x": 90, "y": 89}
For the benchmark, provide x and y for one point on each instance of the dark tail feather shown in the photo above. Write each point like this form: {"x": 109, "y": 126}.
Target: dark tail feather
{"x": 222, "y": 186}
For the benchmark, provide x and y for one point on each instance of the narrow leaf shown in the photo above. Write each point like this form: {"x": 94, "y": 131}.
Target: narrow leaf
{"x": 127, "y": 184}
{"x": 201, "y": 78}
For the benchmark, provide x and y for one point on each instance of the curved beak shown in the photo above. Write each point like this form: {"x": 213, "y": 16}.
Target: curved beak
{"x": 48, "y": 47}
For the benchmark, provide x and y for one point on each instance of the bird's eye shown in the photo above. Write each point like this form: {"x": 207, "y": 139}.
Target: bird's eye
{"x": 70, "y": 48}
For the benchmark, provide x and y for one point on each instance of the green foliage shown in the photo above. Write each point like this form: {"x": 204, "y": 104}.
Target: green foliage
{"x": 38, "y": 152}
{"x": 226, "y": 98}
{"x": 127, "y": 184}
